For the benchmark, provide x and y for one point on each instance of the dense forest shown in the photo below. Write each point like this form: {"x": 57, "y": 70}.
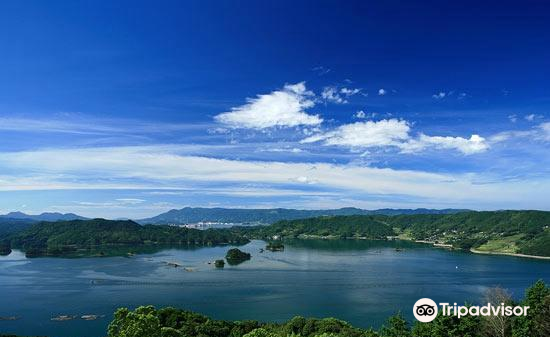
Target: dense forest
{"x": 169, "y": 322}
{"x": 11, "y": 225}
{"x": 525, "y": 232}
{"x": 365, "y": 226}
{"x": 58, "y": 238}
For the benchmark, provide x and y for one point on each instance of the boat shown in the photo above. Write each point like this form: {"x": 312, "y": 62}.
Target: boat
{"x": 91, "y": 317}
{"x": 62, "y": 318}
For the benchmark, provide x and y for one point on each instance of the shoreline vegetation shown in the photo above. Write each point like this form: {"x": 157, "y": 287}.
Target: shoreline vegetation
{"x": 525, "y": 233}
{"x": 514, "y": 233}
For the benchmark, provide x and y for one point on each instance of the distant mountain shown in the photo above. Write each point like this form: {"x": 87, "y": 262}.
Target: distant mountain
{"x": 269, "y": 216}
{"x": 42, "y": 217}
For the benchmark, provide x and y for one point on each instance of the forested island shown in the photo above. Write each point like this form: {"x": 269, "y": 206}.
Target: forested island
{"x": 67, "y": 237}
{"x": 235, "y": 256}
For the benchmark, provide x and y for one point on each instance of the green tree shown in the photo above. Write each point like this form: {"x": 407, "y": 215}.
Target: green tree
{"x": 142, "y": 322}
{"x": 260, "y": 332}
{"x": 533, "y": 325}
{"x": 448, "y": 326}
{"x": 395, "y": 326}
{"x": 170, "y": 332}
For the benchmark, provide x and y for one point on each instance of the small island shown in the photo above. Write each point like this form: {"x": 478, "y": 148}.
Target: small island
{"x": 235, "y": 256}
{"x": 275, "y": 246}
{"x": 219, "y": 263}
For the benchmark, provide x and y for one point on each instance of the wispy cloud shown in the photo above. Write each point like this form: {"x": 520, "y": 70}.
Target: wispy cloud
{"x": 320, "y": 70}
{"x": 532, "y": 117}
{"x": 540, "y": 132}
{"x": 440, "y": 95}
{"x": 335, "y": 94}
{"x": 80, "y": 124}
{"x": 157, "y": 168}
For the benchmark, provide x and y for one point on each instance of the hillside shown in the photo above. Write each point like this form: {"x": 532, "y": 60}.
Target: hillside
{"x": 524, "y": 232}
{"x": 10, "y": 225}
{"x": 269, "y": 216}
{"x": 57, "y": 238}
{"x": 353, "y": 226}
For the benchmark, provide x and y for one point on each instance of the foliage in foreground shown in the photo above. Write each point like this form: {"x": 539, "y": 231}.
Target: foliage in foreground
{"x": 169, "y": 322}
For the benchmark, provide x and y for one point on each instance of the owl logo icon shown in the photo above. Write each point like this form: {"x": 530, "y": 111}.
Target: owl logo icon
{"x": 425, "y": 310}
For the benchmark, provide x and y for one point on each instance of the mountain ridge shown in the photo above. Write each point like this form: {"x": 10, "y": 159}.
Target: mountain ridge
{"x": 45, "y": 216}
{"x": 271, "y": 215}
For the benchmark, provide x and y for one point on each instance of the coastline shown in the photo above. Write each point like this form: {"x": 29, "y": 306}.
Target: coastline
{"x": 475, "y": 251}
{"x": 431, "y": 243}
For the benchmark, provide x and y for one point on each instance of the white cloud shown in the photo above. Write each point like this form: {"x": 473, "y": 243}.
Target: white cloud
{"x": 321, "y": 70}
{"x": 280, "y": 108}
{"x": 350, "y": 91}
{"x": 130, "y": 201}
{"x": 545, "y": 131}
{"x": 540, "y": 132}
{"x": 159, "y": 168}
{"x": 396, "y": 133}
{"x": 331, "y": 94}
{"x": 381, "y": 92}
{"x": 532, "y": 117}
{"x": 85, "y": 125}
{"x": 513, "y": 118}
{"x": 282, "y": 149}
{"x": 337, "y": 95}
{"x": 361, "y": 114}
{"x": 439, "y": 95}
{"x": 365, "y": 134}
{"x": 475, "y": 144}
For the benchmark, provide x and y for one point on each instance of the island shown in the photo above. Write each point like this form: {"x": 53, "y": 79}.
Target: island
{"x": 98, "y": 236}
{"x": 219, "y": 263}
{"x": 235, "y": 256}
{"x": 275, "y": 246}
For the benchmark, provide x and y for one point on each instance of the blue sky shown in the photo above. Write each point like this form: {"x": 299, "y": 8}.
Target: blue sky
{"x": 132, "y": 108}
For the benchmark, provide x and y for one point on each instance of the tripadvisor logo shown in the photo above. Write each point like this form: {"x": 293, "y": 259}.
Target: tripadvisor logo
{"x": 425, "y": 310}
